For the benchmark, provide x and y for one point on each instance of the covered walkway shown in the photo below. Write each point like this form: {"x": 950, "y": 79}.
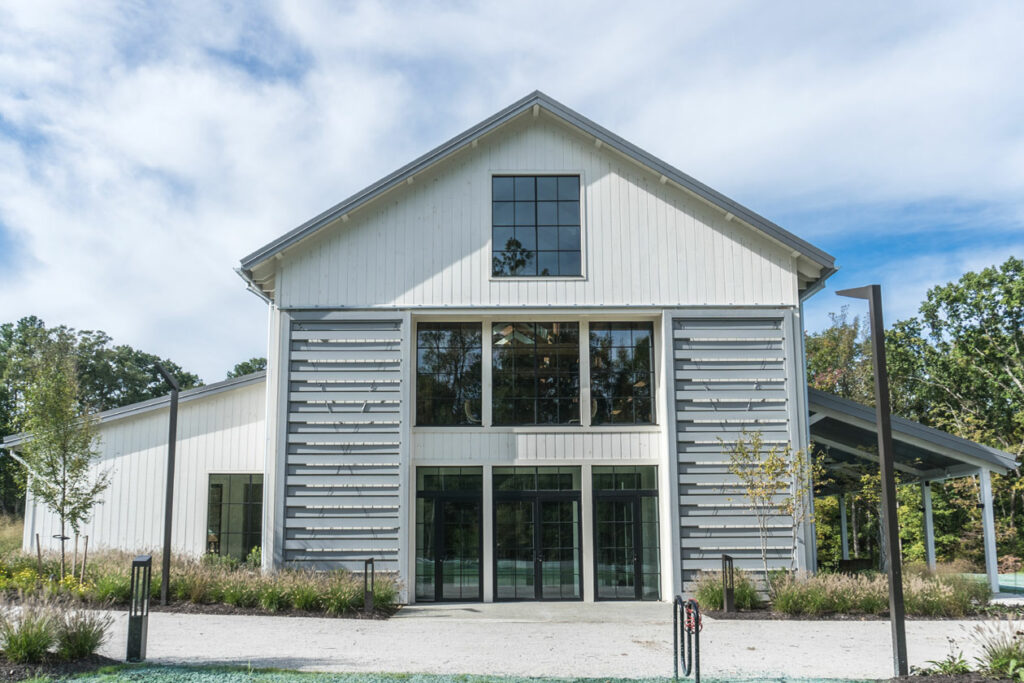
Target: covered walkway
{"x": 845, "y": 431}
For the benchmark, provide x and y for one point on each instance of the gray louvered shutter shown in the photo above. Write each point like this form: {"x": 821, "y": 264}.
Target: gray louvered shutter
{"x": 342, "y": 477}
{"x": 730, "y": 377}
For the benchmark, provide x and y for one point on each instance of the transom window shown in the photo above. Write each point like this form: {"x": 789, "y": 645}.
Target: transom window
{"x": 536, "y": 226}
{"x": 621, "y": 373}
{"x": 448, "y": 361}
{"x": 535, "y": 373}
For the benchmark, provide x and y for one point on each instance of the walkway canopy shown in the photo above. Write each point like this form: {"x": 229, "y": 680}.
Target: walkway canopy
{"x": 845, "y": 432}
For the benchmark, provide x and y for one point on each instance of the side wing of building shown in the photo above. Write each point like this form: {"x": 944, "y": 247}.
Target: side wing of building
{"x": 221, "y": 440}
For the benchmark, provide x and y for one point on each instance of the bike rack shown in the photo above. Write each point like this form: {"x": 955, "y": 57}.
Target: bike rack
{"x": 686, "y": 652}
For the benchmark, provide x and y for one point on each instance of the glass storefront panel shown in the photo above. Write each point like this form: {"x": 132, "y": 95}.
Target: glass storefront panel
{"x": 449, "y": 529}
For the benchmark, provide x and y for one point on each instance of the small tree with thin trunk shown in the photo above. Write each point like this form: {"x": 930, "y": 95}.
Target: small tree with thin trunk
{"x": 61, "y": 450}
{"x": 776, "y": 481}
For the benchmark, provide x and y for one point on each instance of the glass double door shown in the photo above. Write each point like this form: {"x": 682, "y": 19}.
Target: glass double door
{"x": 537, "y": 547}
{"x": 626, "y": 546}
{"x": 449, "y": 556}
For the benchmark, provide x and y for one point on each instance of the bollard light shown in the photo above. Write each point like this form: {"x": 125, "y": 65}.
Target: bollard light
{"x": 368, "y": 580}
{"x": 728, "y": 585}
{"x": 138, "y": 607}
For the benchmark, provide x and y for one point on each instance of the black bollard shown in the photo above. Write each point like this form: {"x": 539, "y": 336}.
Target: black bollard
{"x": 138, "y": 607}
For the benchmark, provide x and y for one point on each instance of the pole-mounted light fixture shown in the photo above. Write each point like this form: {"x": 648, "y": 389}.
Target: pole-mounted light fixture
{"x": 172, "y": 440}
{"x": 873, "y": 293}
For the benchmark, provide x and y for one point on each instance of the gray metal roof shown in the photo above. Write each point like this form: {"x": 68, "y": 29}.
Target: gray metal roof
{"x": 921, "y": 453}
{"x": 537, "y": 98}
{"x": 152, "y": 404}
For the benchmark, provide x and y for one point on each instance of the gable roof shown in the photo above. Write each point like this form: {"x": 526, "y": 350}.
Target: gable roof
{"x": 152, "y": 404}
{"x": 536, "y": 101}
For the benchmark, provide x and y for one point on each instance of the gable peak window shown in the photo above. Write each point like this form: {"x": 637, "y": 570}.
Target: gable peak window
{"x": 535, "y": 226}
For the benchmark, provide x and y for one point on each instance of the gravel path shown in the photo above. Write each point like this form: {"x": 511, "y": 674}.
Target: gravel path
{"x": 558, "y": 639}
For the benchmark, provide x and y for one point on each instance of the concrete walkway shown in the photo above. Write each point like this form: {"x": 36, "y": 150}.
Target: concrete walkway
{"x": 529, "y": 639}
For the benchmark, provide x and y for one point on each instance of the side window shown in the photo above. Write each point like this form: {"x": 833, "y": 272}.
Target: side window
{"x": 535, "y": 226}
{"x": 448, "y": 376}
{"x": 234, "y": 519}
{"x": 622, "y": 372}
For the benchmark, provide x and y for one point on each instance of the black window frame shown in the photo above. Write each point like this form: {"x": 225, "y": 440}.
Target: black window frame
{"x": 536, "y": 226}
{"x": 553, "y": 380}
{"x": 217, "y": 539}
{"x": 467, "y": 404}
{"x": 641, "y": 400}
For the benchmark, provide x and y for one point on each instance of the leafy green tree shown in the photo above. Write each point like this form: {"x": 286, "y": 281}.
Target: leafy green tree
{"x": 108, "y": 376}
{"x": 247, "y": 367}
{"x": 61, "y": 450}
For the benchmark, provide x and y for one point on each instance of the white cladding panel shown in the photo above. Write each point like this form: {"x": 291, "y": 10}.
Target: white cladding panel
{"x": 505, "y": 447}
{"x": 221, "y": 433}
{"x": 644, "y": 242}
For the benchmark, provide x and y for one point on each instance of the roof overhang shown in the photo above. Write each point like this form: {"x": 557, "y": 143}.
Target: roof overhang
{"x": 845, "y": 431}
{"x": 814, "y": 265}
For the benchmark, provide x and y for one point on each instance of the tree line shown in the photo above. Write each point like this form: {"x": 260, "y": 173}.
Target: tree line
{"x": 105, "y": 375}
{"x": 958, "y": 366}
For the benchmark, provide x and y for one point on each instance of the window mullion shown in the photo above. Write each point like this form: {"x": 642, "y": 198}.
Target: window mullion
{"x": 486, "y": 374}
{"x": 584, "y": 380}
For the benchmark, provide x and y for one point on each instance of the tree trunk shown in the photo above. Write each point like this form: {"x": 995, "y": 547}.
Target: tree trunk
{"x": 62, "y": 549}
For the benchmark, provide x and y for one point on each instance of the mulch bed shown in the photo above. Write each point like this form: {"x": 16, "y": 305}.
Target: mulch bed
{"x": 52, "y": 666}
{"x": 221, "y": 608}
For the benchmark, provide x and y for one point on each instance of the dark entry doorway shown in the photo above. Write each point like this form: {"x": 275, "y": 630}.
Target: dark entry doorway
{"x": 537, "y": 530}
{"x": 449, "y": 534}
{"x": 626, "y": 541}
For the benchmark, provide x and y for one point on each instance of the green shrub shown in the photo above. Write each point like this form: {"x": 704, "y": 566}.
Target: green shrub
{"x": 1002, "y": 648}
{"x": 112, "y": 587}
{"x": 27, "y": 633}
{"x": 239, "y": 591}
{"x": 254, "y": 560}
{"x": 305, "y": 595}
{"x": 80, "y": 633}
{"x": 219, "y": 561}
{"x": 385, "y": 593}
{"x": 709, "y": 591}
{"x": 342, "y": 595}
{"x": 274, "y": 596}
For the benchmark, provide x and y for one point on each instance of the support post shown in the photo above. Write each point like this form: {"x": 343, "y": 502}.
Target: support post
{"x": 929, "y": 524}
{"x": 844, "y": 537}
{"x": 886, "y": 454}
{"x": 988, "y": 523}
{"x": 172, "y": 439}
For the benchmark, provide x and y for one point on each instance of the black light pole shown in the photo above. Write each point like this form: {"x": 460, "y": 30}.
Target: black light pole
{"x": 172, "y": 439}
{"x": 873, "y": 293}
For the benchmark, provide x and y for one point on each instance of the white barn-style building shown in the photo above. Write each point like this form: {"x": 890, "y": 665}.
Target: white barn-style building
{"x": 506, "y": 372}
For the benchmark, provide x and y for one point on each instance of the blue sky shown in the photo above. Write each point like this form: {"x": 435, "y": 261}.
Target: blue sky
{"x": 146, "y": 147}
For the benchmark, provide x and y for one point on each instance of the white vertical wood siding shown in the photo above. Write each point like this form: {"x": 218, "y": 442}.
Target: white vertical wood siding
{"x": 220, "y": 433}
{"x": 731, "y": 375}
{"x": 429, "y": 243}
{"x": 490, "y": 447}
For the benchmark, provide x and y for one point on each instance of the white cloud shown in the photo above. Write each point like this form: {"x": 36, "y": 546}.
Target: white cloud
{"x": 139, "y": 161}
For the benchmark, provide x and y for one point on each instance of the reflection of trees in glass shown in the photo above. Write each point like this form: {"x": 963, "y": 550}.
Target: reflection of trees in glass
{"x": 621, "y": 372}
{"x": 514, "y": 260}
{"x": 448, "y": 372}
{"x": 535, "y": 373}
